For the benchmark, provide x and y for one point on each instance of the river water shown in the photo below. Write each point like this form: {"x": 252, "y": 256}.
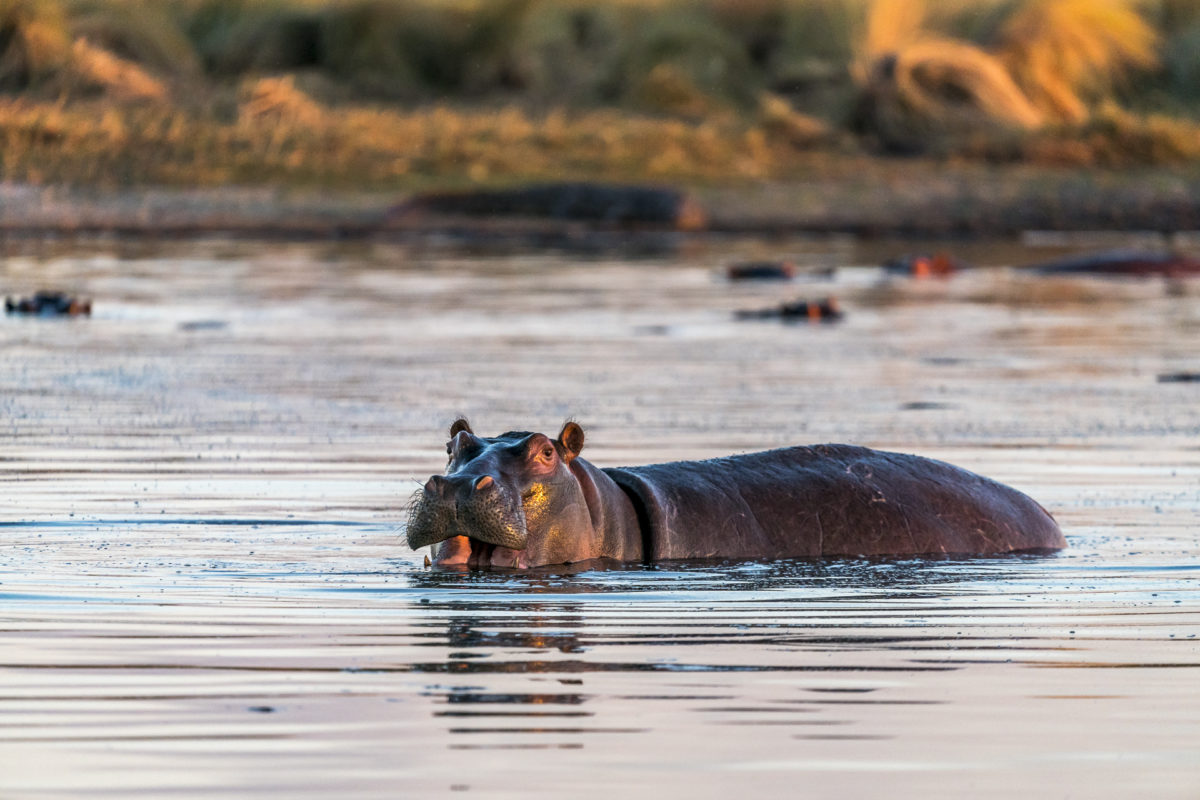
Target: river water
{"x": 204, "y": 588}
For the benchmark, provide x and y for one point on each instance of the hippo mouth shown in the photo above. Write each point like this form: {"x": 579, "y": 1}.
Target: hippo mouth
{"x": 481, "y": 552}
{"x": 463, "y": 551}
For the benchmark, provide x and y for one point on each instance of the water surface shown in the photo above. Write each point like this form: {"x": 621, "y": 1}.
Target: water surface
{"x": 204, "y": 588}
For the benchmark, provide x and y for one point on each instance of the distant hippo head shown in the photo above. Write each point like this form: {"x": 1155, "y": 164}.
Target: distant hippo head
{"x": 516, "y": 500}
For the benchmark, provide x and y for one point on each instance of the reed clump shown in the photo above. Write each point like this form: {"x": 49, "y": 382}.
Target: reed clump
{"x": 1046, "y": 63}
{"x": 1064, "y": 53}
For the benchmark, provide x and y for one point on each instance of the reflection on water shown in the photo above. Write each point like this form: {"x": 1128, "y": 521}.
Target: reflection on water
{"x": 204, "y": 590}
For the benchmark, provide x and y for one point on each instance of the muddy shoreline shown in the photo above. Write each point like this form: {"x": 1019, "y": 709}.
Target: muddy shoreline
{"x": 882, "y": 199}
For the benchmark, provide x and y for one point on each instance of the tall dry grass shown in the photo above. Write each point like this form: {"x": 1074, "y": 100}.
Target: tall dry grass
{"x": 35, "y": 42}
{"x": 920, "y": 87}
{"x": 1044, "y": 61}
{"x": 121, "y": 79}
{"x": 361, "y": 90}
{"x": 891, "y": 26}
{"x": 1064, "y": 53}
{"x": 143, "y": 32}
{"x": 281, "y": 135}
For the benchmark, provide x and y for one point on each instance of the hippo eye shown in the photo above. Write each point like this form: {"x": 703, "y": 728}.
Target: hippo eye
{"x": 547, "y": 453}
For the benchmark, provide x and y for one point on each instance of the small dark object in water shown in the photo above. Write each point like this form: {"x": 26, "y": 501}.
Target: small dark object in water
{"x": 761, "y": 271}
{"x": 1138, "y": 263}
{"x": 522, "y": 499}
{"x": 586, "y": 202}
{"x": 938, "y": 265}
{"x": 1179, "y": 377}
{"x": 49, "y": 304}
{"x": 203, "y": 325}
{"x": 827, "y": 310}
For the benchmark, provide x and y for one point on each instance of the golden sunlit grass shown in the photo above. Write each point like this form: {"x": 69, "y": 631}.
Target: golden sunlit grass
{"x": 280, "y": 134}
{"x": 934, "y": 89}
{"x": 380, "y": 93}
{"x": 1112, "y": 137}
{"x": 1063, "y": 52}
{"x": 780, "y": 121}
{"x": 36, "y": 42}
{"x": 891, "y": 25}
{"x": 122, "y": 79}
{"x": 278, "y": 101}
{"x": 1049, "y": 59}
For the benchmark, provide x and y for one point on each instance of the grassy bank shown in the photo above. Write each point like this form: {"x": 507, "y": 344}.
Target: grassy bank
{"x": 280, "y": 136}
{"x": 402, "y": 94}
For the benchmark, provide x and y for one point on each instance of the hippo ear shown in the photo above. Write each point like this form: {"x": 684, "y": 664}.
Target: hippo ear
{"x": 571, "y": 438}
{"x": 460, "y": 424}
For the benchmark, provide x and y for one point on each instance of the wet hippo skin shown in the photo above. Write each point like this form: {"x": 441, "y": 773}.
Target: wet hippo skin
{"x": 522, "y": 499}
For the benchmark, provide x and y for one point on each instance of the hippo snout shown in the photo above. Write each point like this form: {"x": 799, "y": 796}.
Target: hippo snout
{"x": 476, "y": 506}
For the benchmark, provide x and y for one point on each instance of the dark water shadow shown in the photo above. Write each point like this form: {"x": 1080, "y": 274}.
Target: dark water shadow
{"x": 880, "y": 576}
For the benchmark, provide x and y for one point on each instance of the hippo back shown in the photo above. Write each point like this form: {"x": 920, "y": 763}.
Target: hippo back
{"x": 829, "y": 500}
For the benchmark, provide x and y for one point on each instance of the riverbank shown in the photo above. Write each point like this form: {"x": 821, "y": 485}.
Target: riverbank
{"x": 863, "y": 196}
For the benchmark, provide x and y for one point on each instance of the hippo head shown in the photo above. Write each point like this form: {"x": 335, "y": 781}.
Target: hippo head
{"x": 509, "y": 501}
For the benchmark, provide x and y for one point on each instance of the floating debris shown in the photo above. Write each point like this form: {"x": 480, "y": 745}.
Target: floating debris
{"x": 1137, "y": 263}
{"x": 938, "y": 265}
{"x": 49, "y": 304}
{"x": 195, "y": 325}
{"x": 827, "y": 310}
{"x": 1179, "y": 377}
{"x": 761, "y": 271}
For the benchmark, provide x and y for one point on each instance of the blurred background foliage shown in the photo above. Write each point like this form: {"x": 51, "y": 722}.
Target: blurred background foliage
{"x": 387, "y": 92}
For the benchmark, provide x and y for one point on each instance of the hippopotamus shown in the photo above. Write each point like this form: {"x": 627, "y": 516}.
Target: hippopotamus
{"x": 1138, "y": 263}
{"x": 522, "y": 499}
{"x": 49, "y": 304}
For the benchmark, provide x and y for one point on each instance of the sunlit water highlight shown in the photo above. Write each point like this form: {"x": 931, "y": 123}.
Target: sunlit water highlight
{"x": 204, "y": 590}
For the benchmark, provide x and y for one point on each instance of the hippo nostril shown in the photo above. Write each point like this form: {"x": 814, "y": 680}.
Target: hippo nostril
{"x": 433, "y": 486}
{"x": 484, "y": 482}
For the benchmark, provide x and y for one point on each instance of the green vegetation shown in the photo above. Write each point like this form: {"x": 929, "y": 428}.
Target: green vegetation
{"x": 387, "y": 93}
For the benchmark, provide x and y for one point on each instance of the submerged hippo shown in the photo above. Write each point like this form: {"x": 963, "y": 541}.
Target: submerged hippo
{"x": 1137, "y": 263}
{"x": 49, "y": 304}
{"x": 523, "y": 499}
